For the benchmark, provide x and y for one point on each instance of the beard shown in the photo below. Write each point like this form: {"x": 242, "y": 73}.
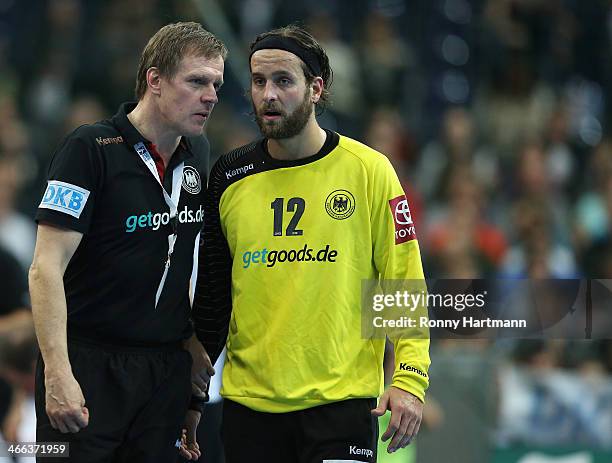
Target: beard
{"x": 288, "y": 125}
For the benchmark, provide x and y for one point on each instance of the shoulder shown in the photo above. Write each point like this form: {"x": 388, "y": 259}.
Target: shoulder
{"x": 91, "y": 138}
{"x": 100, "y": 133}
{"x": 364, "y": 153}
{"x": 237, "y": 161}
{"x": 233, "y": 158}
{"x": 232, "y": 167}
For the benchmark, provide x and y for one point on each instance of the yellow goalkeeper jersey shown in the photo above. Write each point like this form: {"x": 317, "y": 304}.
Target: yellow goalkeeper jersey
{"x": 285, "y": 247}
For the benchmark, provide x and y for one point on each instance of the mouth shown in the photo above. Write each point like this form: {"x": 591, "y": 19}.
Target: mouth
{"x": 202, "y": 115}
{"x": 271, "y": 115}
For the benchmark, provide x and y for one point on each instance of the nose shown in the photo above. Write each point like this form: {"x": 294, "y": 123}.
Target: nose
{"x": 209, "y": 95}
{"x": 270, "y": 93}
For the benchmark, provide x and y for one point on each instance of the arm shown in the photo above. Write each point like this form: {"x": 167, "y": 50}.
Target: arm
{"x": 397, "y": 256}
{"x": 212, "y": 305}
{"x": 65, "y": 404}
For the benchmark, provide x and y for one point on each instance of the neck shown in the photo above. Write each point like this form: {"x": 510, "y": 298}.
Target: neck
{"x": 144, "y": 119}
{"x": 307, "y": 143}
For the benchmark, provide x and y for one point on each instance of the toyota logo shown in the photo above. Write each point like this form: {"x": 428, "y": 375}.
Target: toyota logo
{"x": 402, "y": 213}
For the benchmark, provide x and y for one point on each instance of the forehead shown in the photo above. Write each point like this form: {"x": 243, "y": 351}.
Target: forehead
{"x": 201, "y": 65}
{"x": 273, "y": 60}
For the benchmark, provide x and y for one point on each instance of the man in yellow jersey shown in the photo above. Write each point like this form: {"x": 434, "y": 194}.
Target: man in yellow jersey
{"x": 293, "y": 223}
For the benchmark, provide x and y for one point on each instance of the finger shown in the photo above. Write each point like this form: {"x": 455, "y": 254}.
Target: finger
{"x": 411, "y": 432}
{"x": 196, "y": 451}
{"x": 192, "y": 454}
{"x": 417, "y": 428}
{"x": 199, "y": 382}
{"x": 52, "y": 421}
{"x": 61, "y": 426}
{"x": 81, "y": 417}
{"x": 399, "y": 435}
{"x": 211, "y": 370}
{"x": 408, "y": 436}
{"x": 72, "y": 424}
{"x": 394, "y": 424}
{"x": 382, "y": 406}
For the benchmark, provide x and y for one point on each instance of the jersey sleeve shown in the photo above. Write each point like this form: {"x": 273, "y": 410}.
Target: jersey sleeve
{"x": 397, "y": 257}
{"x": 73, "y": 183}
{"x": 212, "y": 305}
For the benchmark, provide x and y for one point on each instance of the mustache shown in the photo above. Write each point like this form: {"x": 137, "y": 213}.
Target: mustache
{"x": 269, "y": 107}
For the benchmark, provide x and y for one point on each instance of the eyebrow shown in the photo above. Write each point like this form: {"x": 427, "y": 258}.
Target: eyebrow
{"x": 198, "y": 75}
{"x": 274, "y": 74}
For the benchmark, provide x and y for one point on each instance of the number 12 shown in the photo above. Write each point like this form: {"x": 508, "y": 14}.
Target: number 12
{"x": 294, "y": 204}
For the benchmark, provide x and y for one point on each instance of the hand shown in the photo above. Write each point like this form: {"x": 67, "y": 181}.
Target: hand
{"x": 406, "y": 415}
{"x": 201, "y": 369}
{"x": 190, "y": 450}
{"x": 65, "y": 404}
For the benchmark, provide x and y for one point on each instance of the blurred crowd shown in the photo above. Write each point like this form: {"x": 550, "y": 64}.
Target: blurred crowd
{"x": 495, "y": 113}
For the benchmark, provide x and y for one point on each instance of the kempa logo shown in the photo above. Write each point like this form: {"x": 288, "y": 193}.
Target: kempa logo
{"x": 354, "y": 450}
{"x": 191, "y": 180}
{"x": 406, "y": 367}
{"x": 241, "y": 170}
{"x": 109, "y": 141}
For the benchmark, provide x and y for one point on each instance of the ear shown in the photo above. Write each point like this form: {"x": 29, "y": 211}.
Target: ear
{"x": 317, "y": 89}
{"x": 154, "y": 80}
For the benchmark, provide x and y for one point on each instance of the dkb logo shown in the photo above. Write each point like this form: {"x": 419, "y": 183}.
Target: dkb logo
{"x": 64, "y": 197}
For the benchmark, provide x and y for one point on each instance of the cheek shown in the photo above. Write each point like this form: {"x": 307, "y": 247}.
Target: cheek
{"x": 255, "y": 95}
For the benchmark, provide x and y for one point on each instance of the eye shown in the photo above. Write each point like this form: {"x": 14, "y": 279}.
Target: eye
{"x": 284, "y": 81}
{"x": 258, "y": 81}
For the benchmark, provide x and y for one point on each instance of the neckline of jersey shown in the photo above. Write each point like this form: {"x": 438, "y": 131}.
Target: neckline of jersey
{"x": 331, "y": 142}
{"x": 132, "y": 136}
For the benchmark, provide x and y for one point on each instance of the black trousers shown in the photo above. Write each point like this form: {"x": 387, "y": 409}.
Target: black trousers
{"x": 137, "y": 401}
{"x": 341, "y": 431}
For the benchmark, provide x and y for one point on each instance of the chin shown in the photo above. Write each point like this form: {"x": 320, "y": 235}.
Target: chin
{"x": 194, "y": 131}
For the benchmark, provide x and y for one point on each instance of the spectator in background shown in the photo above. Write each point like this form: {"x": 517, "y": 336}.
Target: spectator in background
{"x": 543, "y": 404}
{"x": 455, "y": 147}
{"x": 18, "y": 352}
{"x": 348, "y": 101}
{"x": 560, "y": 158}
{"x": 15, "y": 318}
{"x": 387, "y": 134}
{"x": 17, "y": 231}
{"x": 386, "y": 59}
{"x": 85, "y": 109}
{"x": 460, "y": 236}
{"x": 541, "y": 223}
{"x": 592, "y": 214}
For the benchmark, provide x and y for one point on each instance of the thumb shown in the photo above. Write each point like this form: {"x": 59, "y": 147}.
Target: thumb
{"x": 382, "y": 406}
